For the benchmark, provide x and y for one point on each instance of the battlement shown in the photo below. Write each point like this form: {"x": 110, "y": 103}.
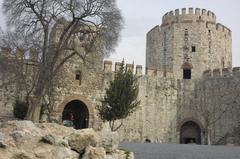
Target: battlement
{"x": 223, "y": 28}
{"x": 31, "y": 55}
{"x": 138, "y": 70}
{"x": 224, "y": 72}
{"x": 219, "y": 27}
{"x": 189, "y": 14}
{"x": 154, "y": 30}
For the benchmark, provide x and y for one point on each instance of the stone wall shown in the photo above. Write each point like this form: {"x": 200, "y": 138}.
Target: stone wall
{"x": 155, "y": 118}
{"x": 215, "y": 97}
{"x": 167, "y": 103}
{"x": 7, "y": 96}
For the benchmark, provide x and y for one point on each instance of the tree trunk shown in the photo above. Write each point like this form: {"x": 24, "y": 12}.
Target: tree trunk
{"x": 209, "y": 137}
{"x": 206, "y": 137}
{"x": 34, "y": 110}
{"x": 112, "y": 125}
{"x": 36, "y": 102}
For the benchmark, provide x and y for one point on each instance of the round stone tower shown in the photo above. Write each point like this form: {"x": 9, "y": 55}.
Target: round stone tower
{"x": 189, "y": 42}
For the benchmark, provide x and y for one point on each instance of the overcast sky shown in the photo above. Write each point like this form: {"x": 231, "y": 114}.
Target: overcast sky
{"x": 142, "y": 15}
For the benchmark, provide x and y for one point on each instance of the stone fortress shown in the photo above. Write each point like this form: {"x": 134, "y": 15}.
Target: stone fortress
{"x": 189, "y": 93}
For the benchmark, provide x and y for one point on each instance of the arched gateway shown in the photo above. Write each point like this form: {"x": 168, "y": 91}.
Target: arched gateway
{"x": 77, "y": 112}
{"x": 190, "y": 132}
{"x": 77, "y": 109}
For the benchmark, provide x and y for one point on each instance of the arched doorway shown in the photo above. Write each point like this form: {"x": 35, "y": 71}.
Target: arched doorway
{"x": 77, "y": 112}
{"x": 190, "y": 132}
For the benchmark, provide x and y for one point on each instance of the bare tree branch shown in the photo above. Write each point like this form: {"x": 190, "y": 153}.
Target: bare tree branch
{"x": 50, "y": 27}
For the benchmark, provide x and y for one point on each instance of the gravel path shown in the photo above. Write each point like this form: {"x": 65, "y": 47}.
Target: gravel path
{"x": 173, "y": 151}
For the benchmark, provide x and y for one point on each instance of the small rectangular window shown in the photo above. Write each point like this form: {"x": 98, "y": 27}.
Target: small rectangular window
{"x": 77, "y": 77}
{"x": 186, "y": 32}
{"x": 186, "y": 74}
{"x": 193, "y": 48}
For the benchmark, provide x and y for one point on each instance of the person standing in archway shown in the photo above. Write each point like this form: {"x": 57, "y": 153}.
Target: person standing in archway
{"x": 69, "y": 122}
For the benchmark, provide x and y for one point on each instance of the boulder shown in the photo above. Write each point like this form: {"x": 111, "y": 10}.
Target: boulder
{"x": 26, "y": 140}
{"x": 94, "y": 153}
{"x": 109, "y": 140}
{"x": 19, "y": 136}
{"x": 25, "y": 126}
{"x": 81, "y": 139}
{"x": 65, "y": 153}
{"x": 56, "y": 129}
{"x": 49, "y": 139}
{"x": 54, "y": 152}
{"x": 22, "y": 155}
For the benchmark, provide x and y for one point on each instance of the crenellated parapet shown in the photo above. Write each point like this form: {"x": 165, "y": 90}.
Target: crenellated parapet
{"x": 188, "y": 14}
{"x": 191, "y": 15}
{"x": 107, "y": 66}
{"x": 222, "y": 72}
{"x": 30, "y": 56}
{"x": 154, "y": 31}
{"x": 130, "y": 67}
{"x": 117, "y": 66}
{"x": 138, "y": 70}
{"x": 218, "y": 27}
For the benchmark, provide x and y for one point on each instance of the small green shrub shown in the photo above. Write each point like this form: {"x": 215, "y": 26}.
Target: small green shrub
{"x": 20, "y": 109}
{"x": 126, "y": 152}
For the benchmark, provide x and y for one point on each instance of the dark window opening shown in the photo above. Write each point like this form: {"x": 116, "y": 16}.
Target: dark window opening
{"x": 186, "y": 32}
{"x": 193, "y": 48}
{"x": 186, "y": 74}
{"x": 78, "y": 76}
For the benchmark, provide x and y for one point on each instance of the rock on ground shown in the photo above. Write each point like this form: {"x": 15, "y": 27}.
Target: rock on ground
{"x": 81, "y": 139}
{"x": 108, "y": 139}
{"x": 26, "y": 140}
{"x": 94, "y": 153}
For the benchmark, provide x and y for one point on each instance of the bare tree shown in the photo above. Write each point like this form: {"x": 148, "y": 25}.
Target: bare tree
{"x": 57, "y": 30}
{"x": 213, "y": 110}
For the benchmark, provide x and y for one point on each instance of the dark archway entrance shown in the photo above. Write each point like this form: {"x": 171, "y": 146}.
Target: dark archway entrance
{"x": 190, "y": 132}
{"x": 77, "y": 112}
